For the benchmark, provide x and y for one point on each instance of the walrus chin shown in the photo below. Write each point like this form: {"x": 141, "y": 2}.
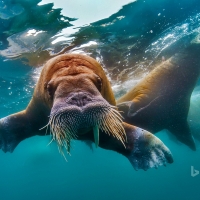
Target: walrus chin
{"x": 68, "y": 121}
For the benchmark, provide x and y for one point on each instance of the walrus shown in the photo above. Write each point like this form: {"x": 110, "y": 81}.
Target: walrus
{"x": 74, "y": 100}
{"x": 161, "y": 100}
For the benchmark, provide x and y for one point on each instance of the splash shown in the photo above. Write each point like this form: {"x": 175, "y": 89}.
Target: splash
{"x": 174, "y": 34}
{"x": 19, "y": 18}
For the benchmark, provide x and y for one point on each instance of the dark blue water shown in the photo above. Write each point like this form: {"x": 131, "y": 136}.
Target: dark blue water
{"x": 128, "y": 44}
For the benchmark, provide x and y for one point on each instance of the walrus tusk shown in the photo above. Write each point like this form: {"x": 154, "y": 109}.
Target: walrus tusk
{"x": 96, "y": 135}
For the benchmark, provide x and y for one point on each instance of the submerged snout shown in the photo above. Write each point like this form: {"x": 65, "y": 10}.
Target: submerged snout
{"x": 79, "y": 99}
{"x": 83, "y": 111}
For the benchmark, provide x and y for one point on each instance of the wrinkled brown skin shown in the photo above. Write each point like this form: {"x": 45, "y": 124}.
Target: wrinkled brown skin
{"x": 37, "y": 112}
{"x": 161, "y": 100}
{"x": 73, "y": 73}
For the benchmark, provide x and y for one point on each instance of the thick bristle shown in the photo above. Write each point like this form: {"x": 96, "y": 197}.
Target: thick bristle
{"x": 64, "y": 125}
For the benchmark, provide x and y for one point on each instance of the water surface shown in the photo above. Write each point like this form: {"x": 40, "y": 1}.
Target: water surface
{"x": 128, "y": 41}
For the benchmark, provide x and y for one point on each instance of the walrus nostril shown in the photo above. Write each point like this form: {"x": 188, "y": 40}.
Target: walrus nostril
{"x": 80, "y": 99}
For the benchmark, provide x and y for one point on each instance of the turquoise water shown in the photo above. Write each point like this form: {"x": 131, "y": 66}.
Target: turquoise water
{"x": 128, "y": 44}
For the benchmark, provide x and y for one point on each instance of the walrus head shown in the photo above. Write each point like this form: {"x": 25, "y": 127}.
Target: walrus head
{"x": 81, "y": 99}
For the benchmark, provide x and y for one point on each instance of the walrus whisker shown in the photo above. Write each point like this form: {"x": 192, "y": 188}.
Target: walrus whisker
{"x": 61, "y": 132}
{"x": 113, "y": 107}
{"x": 117, "y": 114}
{"x": 62, "y": 153}
{"x": 44, "y": 126}
{"x": 71, "y": 129}
{"x": 111, "y": 123}
{"x": 50, "y": 142}
{"x": 64, "y": 125}
{"x": 46, "y": 132}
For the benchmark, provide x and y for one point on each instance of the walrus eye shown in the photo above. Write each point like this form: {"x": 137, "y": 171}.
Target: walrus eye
{"x": 50, "y": 90}
{"x": 99, "y": 84}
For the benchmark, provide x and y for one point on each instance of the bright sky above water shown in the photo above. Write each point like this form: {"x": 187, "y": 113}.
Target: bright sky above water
{"x": 88, "y": 11}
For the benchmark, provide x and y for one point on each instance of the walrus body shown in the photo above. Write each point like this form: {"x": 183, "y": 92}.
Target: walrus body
{"x": 162, "y": 99}
{"x": 74, "y": 98}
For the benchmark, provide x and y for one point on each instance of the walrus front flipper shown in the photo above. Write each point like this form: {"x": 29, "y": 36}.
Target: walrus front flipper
{"x": 182, "y": 132}
{"x": 143, "y": 149}
{"x": 13, "y": 129}
{"x": 148, "y": 151}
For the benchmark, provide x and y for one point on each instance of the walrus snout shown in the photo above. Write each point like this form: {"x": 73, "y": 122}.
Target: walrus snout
{"x": 80, "y": 112}
{"x": 80, "y": 99}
